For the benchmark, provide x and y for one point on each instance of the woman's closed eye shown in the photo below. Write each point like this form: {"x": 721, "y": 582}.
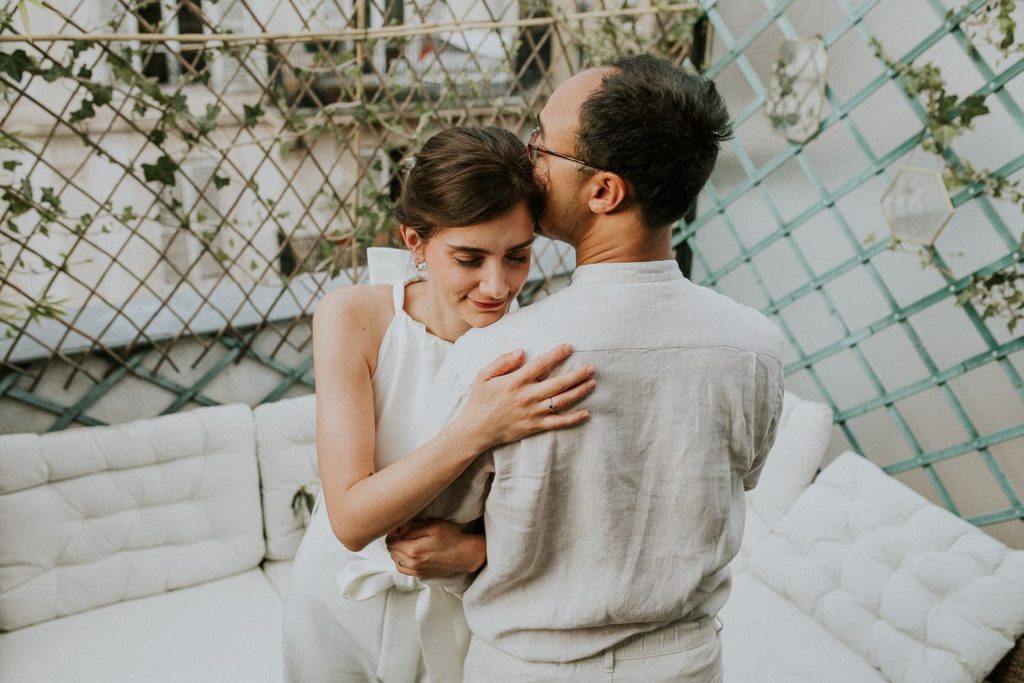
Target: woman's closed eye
{"x": 477, "y": 262}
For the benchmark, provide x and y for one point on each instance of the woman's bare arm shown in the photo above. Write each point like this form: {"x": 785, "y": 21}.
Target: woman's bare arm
{"x": 507, "y": 403}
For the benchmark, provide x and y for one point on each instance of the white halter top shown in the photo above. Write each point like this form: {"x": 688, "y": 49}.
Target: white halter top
{"x": 407, "y": 363}
{"x": 403, "y": 382}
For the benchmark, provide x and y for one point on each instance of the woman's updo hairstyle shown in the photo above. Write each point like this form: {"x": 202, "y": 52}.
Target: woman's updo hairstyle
{"x": 463, "y": 176}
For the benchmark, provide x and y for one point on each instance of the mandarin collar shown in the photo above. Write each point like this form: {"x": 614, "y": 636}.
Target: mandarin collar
{"x": 634, "y": 271}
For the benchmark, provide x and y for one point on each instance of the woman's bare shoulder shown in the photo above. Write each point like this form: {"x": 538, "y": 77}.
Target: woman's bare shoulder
{"x": 359, "y": 313}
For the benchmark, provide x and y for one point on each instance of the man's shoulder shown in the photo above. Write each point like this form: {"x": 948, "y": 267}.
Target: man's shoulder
{"x": 517, "y": 330}
{"x": 729, "y": 319}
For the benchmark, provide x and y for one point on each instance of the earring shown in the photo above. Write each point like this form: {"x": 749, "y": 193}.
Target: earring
{"x": 421, "y": 267}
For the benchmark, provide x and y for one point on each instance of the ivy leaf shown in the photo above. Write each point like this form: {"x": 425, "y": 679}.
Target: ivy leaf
{"x": 972, "y": 106}
{"x": 78, "y": 47}
{"x": 101, "y": 94}
{"x": 11, "y": 164}
{"x": 55, "y": 72}
{"x": 16, "y": 64}
{"x": 252, "y": 115}
{"x": 161, "y": 172}
{"x": 84, "y": 112}
{"x": 157, "y": 136}
{"x": 178, "y": 104}
{"x": 220, "y": 182}
{"x": 208, "y": 121}
{"x": 50, "y": 198}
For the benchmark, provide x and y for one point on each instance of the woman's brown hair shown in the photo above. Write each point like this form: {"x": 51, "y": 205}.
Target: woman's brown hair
{"x": 463, "y": 176}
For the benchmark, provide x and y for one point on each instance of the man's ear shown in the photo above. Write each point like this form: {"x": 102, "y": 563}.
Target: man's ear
{"x": 607, "y": 192}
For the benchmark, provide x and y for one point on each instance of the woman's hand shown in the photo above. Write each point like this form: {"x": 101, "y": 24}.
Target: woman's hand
{"x": 510, "y": 401}
{"x": 435, "y": 549}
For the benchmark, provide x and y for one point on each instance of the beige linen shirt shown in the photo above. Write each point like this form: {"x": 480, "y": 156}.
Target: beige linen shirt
{"x": 627, "y": 522}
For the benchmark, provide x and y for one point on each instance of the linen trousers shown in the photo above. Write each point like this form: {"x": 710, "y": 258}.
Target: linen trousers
{"x": 682, "y": 652}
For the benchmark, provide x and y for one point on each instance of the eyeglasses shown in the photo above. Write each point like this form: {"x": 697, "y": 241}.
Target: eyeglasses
{"x": 534, "y": 150}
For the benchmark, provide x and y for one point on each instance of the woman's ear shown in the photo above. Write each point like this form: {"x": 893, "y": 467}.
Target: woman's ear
{"x": 412, "y": 241}
{"x": 607, "y": 192}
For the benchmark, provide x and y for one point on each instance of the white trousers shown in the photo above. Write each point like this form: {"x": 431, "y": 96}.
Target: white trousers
{"x": 689, "y": 652}
{"x": 352, "y": 618}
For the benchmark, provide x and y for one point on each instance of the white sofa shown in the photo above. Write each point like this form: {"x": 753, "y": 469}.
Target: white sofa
{"x": 855, "y": 578}
{"x": 160, "y": 550}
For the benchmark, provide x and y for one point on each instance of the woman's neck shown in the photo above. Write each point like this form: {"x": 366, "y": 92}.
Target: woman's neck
{"x": 425, "y": 304}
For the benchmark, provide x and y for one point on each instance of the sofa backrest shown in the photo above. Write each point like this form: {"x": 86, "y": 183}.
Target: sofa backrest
{"x": 98, "y": 515}
{"x": 801, "y": 439}
{"x": 916, "y": 591}
{"x": 286, "y": 447}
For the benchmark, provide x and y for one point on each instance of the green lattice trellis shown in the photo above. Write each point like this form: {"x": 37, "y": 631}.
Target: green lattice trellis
{"x": 715, "y": 205}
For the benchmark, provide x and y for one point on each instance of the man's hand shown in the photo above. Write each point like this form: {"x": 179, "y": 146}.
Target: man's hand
{"x": 435, "y": 549}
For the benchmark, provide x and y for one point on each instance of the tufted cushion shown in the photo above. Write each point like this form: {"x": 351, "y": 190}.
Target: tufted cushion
{"x": 767, "y": 640}
{"x": 919, "y": 593}
{"x": 286, "y": 448}
{"x": 93, "y": 516}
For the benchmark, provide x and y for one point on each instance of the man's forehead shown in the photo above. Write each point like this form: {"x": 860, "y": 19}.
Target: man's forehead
{"x": 563, "y": 106}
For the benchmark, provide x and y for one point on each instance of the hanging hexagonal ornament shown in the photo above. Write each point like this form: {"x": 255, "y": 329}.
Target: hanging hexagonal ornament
{"x": 796, "y": 89}
{"x": 916, "y": 205}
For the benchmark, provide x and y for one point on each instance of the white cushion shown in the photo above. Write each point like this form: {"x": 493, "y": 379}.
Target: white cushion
{"x": 97, "y": 515}
{"x": 916, "y": 591}
{"x": 286, "y": 448}
{"x": 278, "y": 573}
{"x": 225, "y": 630}
{"x": 804, "y": 430}
{"x": 800, "y": 442}
{"x": 387, "y": 265}
{"x": 768, "y": 640}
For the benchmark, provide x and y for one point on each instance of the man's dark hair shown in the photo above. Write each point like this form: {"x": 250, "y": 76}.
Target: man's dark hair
{"x": 463, "y": 176}
{"x": 659, "y": 128}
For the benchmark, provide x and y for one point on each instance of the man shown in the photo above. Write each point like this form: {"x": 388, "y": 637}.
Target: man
{"x": 608, "y": 543}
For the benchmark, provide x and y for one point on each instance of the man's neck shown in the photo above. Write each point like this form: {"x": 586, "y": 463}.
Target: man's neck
{"x": 624, "y": 244}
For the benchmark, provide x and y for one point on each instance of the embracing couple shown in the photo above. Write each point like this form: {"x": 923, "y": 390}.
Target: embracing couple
{"x": 555, "y": 495}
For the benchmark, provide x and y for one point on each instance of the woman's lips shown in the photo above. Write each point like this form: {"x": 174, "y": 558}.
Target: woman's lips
{"x": 488, "y": 306}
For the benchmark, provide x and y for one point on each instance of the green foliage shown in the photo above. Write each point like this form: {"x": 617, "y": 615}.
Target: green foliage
{"x": 252, "y": 114}
{"x": 948, "y": 117}
{"x": 304, "y": 501}
{"x": 337, "y": 92}
{"x": 16, "y": 64}
{"x": 994, "y": 23}
{"x": 161, "y": 172}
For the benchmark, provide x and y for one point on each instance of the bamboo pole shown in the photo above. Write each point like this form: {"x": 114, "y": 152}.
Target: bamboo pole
{"x": 357, "y": 34}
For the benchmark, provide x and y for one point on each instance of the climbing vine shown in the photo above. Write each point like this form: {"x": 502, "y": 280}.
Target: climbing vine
{"x": 947, "y": 117}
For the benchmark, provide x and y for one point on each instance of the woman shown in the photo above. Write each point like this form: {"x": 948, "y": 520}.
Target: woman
{"x": 467, "y": 213}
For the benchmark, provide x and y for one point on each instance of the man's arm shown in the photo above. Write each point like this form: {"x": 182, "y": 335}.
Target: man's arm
{"x": 768, "y": 390}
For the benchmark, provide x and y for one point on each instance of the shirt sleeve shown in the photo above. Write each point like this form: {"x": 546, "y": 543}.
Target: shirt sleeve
{"x": 768, "y": 390}
{"x": 463, "y": 500}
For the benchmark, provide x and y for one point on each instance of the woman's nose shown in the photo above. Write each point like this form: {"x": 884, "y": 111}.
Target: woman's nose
{"x": 494, "y": 285}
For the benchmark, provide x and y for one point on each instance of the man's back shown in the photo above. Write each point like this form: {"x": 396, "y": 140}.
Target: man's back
{"x": 624, "y": 524}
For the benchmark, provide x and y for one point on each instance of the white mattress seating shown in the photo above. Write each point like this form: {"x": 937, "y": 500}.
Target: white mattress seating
{"x": 161, "y": 549}
{"x": 92, "y": 517}
{"x": 286, "y": 448}
{"x": 916, "y": 593}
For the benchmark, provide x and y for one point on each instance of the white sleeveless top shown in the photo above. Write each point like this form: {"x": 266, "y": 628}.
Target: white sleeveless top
{"x": 403, "y": 385}
{"x": 403, "y": 382}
